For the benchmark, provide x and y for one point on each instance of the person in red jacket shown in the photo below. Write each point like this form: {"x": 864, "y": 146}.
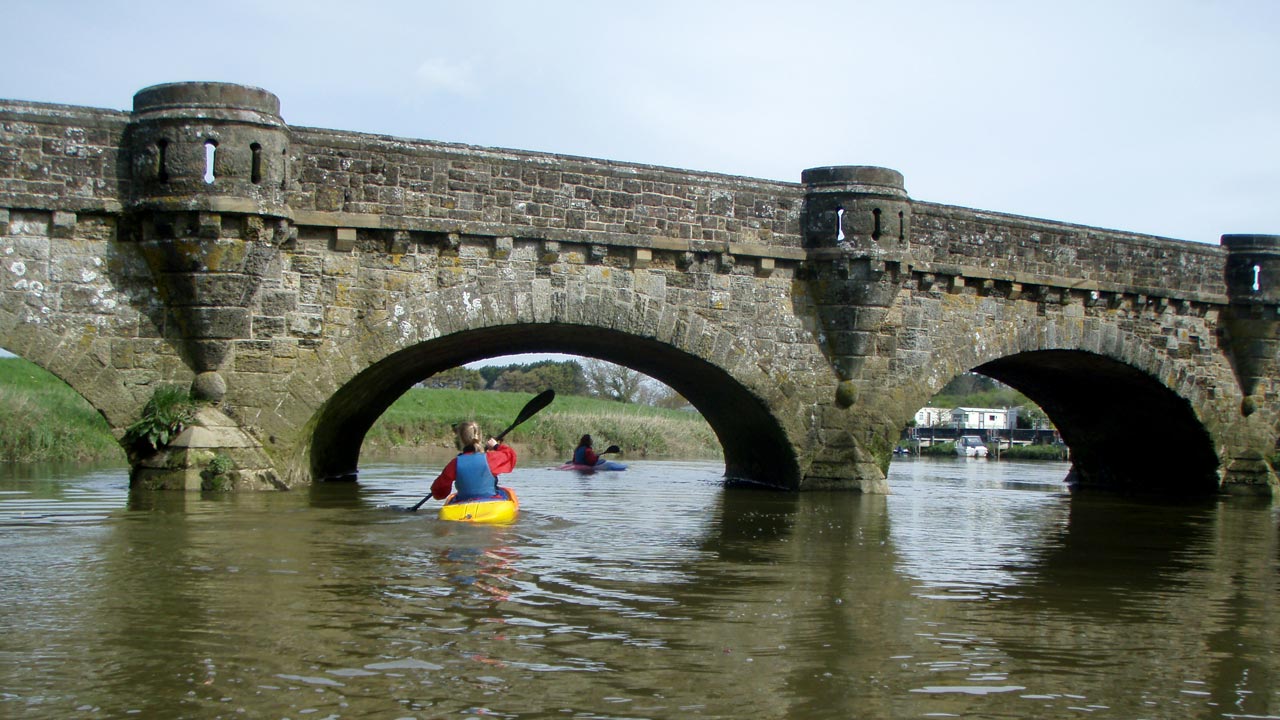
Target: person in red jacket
{"x": 585, "y": 454}
{"x": 474, "y": 470}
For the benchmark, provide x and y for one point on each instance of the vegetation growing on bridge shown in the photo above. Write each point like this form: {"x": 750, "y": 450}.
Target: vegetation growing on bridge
{"x": 169, "y": 411}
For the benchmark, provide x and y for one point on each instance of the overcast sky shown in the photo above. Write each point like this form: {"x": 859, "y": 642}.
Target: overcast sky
{"x": 1158, "y": 117}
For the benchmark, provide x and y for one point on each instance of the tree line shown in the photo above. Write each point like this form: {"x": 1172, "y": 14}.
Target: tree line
{"x": 590, "y": 378}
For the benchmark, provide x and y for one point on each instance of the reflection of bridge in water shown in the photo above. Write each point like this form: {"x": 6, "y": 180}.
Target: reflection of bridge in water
{"x": 299, "y": 280}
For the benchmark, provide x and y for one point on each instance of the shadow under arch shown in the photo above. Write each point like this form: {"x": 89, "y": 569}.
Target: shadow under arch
{"x": 756, "y": 447}
{"x": 1127, "y": 431}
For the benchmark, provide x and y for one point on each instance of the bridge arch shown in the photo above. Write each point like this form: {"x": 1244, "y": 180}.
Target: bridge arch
{"x": 752, "y": 380}
{"x": 1126, "y": 429}
{"x": 1136, "y": 414}
{"x": 756, "y": 446}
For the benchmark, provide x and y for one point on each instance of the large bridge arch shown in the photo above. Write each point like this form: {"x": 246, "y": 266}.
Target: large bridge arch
{"x": 756, "y": 445}
{"x": 753, "y": 376}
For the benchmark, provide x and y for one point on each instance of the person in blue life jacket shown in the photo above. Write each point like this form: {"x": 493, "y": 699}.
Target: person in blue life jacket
{"x": 476, "y": 469}
{"x": 584, "y": 454}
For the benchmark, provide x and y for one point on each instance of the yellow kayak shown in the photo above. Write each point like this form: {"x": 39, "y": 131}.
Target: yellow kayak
{"x": 498, "y": 511}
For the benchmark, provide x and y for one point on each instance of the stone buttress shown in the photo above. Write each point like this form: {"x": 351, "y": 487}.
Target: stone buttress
{"x": 208, "y": 163}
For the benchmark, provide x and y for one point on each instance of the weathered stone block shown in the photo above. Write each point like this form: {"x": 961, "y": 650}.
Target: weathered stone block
{"x": 344, "y": 240}
{"x": 218, "y": 322}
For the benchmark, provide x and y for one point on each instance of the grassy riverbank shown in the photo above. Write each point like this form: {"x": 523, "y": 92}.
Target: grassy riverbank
{"x": 422, "y": 419}
{"x": 44, "y": 420}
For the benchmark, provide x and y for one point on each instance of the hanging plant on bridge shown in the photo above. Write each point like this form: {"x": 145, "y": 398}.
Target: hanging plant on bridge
{"x": 169, "y": 411}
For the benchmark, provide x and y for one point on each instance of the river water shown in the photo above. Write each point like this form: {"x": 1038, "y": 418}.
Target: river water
{"x": 978, "y": 589}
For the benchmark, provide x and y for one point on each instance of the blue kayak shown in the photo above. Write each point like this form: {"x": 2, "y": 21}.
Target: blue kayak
{"x": 603, "y": 465}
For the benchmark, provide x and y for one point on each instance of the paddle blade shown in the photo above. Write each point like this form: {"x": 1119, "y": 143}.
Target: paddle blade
{"x": 612, "y": 449}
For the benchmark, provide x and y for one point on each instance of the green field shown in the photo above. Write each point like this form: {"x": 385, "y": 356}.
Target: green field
{"x": 43, "y": 420}
{"x": 423, "y": 418}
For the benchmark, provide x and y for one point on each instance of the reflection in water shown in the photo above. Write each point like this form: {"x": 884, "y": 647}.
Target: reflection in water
{"x": 977, "y": 589}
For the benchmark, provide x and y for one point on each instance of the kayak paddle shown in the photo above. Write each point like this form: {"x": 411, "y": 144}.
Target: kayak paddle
{"x": 531, "y": 408}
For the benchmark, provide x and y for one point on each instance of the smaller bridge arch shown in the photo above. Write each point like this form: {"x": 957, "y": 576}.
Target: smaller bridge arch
{"x": 1127, "y": 431}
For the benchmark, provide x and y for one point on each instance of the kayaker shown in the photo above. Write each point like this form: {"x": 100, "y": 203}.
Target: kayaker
{"x": 474, "y": 470}
{"x": 584, "y": 454}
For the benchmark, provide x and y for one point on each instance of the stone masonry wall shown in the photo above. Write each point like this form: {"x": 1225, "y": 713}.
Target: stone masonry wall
{"x": 60, "y": 157}
{"x": 945, "y": 239}
{"x": 457, "y": 187}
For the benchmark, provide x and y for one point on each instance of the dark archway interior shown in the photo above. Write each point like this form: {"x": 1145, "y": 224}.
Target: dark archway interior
{"x": 1126, "y": 430}
{"x": 755, "y": 446}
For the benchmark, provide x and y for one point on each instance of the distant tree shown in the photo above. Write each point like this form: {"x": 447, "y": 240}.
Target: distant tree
{"x": 563, "y": 376}
{"x": 516, "y": 380}
{"x": 614, "y": 382}
{"x": 969, "y": 383}
{"x": 666, "y": 397}
{"x": 458, "y": 378}
{"x": 1033, "y": 417}
{"x": 491, "y": 373}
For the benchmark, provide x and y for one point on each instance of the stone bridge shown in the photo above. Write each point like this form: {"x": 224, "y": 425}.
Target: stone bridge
{"x": 299, "y": 280}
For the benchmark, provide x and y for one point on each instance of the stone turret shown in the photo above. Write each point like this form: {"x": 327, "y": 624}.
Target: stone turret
{"x": 1253, "y": 319}
{"x": 857, "y": 228}
{"x": 209, "y": 147}
{"x": 859, "y": 208}
{"x": 857, "y": 224}
{"x": 209, "y": 171}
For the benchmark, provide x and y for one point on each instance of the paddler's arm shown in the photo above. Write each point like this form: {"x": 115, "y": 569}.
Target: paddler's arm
{"x": 502, "y": 458}
{"x": 443, "y": 484}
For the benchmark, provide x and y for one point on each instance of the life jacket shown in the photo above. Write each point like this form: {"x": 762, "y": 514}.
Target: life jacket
{"x": 580, "y": 456}
{"x": 473, "y": 478}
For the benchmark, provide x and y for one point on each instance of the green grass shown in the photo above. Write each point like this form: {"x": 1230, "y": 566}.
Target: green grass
{"x": 423, "y": 418}
{"x": 1034, "y": 452}
{"x": 43, "y": 420}
{"x": 939, "y": 448}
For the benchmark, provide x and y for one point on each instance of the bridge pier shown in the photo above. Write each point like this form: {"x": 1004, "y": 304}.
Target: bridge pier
{"x": 214, "y": 454}
{"x": 1251, "y": 334}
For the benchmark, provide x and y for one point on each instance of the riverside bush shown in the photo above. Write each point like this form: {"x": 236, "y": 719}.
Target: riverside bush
{"x": 1034, "y": 452}
{"x": 941, "y": 448}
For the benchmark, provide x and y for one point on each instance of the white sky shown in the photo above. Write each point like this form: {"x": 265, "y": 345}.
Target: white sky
{"x": 1153, "y": 116}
